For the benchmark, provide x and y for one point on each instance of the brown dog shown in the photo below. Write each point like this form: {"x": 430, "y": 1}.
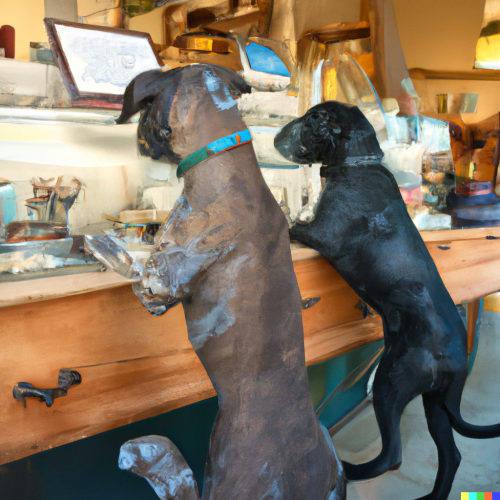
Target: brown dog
{"x": 225, "y": 254}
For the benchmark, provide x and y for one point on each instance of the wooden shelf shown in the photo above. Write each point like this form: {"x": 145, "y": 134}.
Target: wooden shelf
{"x": 338, "y": 32}
{"x": 133, "y": 365}
{"x": 474, "y": 74}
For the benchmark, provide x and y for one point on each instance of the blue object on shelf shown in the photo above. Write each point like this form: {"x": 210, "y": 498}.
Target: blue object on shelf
{"x": 264, "y": 59}
{"x": 45, "y": 56}
{"x": 7, "y": 203}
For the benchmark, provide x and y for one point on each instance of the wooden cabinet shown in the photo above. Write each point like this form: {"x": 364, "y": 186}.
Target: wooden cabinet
{"x": 135, "y": 365}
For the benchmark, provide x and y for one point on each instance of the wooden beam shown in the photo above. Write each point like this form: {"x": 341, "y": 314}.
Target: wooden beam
{"x": 472, "y": 315}
{"x": 338, "y": 32}
{"x": 475, "y": 74}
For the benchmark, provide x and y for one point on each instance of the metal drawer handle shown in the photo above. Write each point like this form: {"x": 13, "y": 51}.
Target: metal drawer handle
{"x": 67, "y": 379}
{"x": 307, "y": 303}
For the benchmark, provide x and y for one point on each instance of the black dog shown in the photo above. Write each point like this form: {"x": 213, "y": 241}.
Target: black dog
{"x": 363, "y": 229}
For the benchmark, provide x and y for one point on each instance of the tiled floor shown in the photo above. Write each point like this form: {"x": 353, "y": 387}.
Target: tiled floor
{"x": 359, "y": 441}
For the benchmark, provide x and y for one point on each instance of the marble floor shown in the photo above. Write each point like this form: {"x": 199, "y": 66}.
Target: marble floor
{"x": 359, "y": 441}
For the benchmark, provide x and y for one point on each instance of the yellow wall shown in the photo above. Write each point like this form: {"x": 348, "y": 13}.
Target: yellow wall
{"x": 26, "y": 16}
{"x": 151, "y": 23}
{"x": 307, "y": 14}
{"x": 292, "y": 17}
{"x": 435, "y": 34}
{"x": 439, "y": 34}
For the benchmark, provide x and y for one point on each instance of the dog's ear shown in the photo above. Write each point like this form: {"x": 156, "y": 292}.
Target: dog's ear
{"x": 224, "y": 86}
{"x": 154, "y": 93}
{"x": 309, "y": 139}
{"x": 142, "y": 90}
{"x": 235, "y": 84}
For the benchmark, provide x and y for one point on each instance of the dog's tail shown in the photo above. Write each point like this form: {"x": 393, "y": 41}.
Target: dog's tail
{"x": 469, "y": 430}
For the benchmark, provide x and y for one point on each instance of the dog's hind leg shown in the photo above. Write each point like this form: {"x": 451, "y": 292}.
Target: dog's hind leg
{"x": 388, "y": 402}
{"x": 159, "y": 461}
{"x": 448, "y": 455}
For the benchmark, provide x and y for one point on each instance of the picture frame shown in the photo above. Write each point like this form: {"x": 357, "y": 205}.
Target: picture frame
{"x": 98, "y": 62}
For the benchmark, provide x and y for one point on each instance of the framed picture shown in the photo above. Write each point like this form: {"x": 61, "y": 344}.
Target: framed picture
{"x": 97, "y": 63}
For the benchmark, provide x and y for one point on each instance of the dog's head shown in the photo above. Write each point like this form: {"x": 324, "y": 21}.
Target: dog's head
{"x": 328, "y": 133}
{"x": 184, "y": 109}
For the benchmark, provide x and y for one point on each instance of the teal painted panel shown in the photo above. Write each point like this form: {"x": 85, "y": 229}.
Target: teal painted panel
{"x": 8, "y": 203}
{"x": 88, "y": 469}
{"x": 317, "y": 382}
{"x": 336, "y": 370}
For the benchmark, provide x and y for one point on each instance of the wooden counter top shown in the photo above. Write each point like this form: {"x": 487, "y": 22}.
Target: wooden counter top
{"x": 470, "y": 270}
{"x": 28, "y": 291}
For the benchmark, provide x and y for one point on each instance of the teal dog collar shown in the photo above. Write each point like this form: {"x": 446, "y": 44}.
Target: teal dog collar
{"x": 214, "y": 148}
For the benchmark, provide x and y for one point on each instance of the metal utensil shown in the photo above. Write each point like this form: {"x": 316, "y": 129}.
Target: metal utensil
{"x": 110, "y": 254}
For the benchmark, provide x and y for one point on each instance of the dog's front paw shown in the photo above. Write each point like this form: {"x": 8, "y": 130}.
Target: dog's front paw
{"x": 157, "y": 285}
{"x": 155, "y": 304}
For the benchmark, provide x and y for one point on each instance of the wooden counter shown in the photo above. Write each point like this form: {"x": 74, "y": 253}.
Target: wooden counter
{"x": 135, "y": 365}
